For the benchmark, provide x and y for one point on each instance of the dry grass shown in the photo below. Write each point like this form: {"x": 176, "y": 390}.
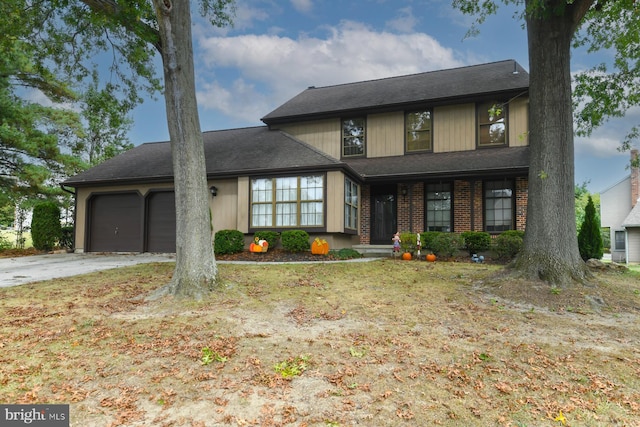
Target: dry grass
{"x": 386, "y": 343}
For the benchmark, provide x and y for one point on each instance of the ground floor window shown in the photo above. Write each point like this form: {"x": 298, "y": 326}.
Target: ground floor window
{"x": 438, "y": 207}
{"x": 619, "y": 243}
{"x": 296, "y": 201}
{"x": 350, "y": 204}
{"x": 498, "y": 205}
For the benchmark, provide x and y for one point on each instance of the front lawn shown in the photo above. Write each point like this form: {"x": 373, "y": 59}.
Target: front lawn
{"x": 383, "y": 343}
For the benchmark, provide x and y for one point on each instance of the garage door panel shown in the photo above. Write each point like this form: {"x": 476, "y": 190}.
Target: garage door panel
{"x": 161, "y": 222}
{"x": 115, "y": 223}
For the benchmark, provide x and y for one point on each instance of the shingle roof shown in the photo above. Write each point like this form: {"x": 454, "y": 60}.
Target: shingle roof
{"x": 430, "y": 87}
{"x": 228, "y": 153}
{"x": 502, "y": 160}
{"x": 633, "y": 219}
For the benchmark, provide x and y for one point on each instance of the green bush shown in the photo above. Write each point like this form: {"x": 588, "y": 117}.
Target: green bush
{"x": 427, "y": 237}
{"x": 66, "y": 237}
{"x": 4, "y": 243}
{"x": 589, "y": 236}
{"x": 508, "y": 244}
{"x": 295, "y": 240}
{"x": 446, "y": 245}
{"x": 476, "y": 241}
{"x": 345, "y": 253}
{"x": 45, "y": 226}
{"x": 228, "y": 242}
{"x": 271, "y": 237}
{"x": 408, "y": 241}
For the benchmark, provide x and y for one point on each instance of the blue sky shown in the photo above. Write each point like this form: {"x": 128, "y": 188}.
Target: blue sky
{"x": 276, "y": 49}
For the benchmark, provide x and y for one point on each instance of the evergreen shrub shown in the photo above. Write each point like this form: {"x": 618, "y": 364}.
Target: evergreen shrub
{"x": 476, "y": 241}
{"x": 46, "y": 230}
{"x": 295, "y": 240}
{"x": 589, "y": 236}
{"x": 228, "y": 242}
{"x": 508, "y": 244}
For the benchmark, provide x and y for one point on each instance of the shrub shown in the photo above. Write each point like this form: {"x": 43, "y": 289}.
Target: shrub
{"x": 508, "y": 244}
{"x": 426, "y": 239}
{"x": 408, "y": 241}
{"x": 66, "y": 237}
{"x": 4, "y": 243}
{"x": 45, "y": 226}
{"x": 446, "y": 245}
{"x": 228, "y": 242}
{"x": 295, "y": 240}
{"x": 345, "y": 253}
{"x": 476, "y": 241}
{"x": 589, "y": 236}
{"x": 271, "y": 237}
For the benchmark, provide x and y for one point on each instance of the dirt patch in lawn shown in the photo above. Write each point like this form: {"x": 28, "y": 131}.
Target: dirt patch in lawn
{"x": 382, "y": 343}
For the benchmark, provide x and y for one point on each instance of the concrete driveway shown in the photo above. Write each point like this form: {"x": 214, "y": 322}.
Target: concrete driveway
{"x": 21, "y": 270}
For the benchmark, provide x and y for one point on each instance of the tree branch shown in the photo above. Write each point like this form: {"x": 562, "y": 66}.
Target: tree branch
{"x": 112, "y": 9}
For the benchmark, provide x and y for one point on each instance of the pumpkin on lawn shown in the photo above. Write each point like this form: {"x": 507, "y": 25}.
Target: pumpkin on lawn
{"x": 431, "y": 257}
{"x": 319, "y": 247}
{"x": 406, "y": 256}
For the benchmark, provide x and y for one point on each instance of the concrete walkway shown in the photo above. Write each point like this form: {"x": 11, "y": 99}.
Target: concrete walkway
{"x": 27, "y": 269}
{"x": 20, "y": 270}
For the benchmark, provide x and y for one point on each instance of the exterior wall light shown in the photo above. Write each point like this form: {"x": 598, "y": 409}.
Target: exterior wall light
{"x": 214, "y": 190}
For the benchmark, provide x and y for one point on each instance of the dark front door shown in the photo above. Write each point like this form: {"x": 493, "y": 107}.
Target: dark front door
{"x": 383, "y": 214}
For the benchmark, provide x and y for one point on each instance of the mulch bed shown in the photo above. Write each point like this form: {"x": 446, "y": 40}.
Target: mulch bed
{"x": 275, "y": 255}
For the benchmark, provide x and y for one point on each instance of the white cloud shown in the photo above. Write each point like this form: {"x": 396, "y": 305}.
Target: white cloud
{"x": 302, "y": 6}
{"x": 405, "y": 22}
{"x": 272, "y": 68}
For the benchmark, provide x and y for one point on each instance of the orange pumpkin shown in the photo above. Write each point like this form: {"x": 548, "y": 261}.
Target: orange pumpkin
{"x": 319, "y": 247}
{"x": 406, "y": 256}
{"x": 431, "y": 257}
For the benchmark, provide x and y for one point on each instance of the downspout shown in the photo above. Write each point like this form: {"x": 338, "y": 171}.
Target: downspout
{"x": 75, "y": 210}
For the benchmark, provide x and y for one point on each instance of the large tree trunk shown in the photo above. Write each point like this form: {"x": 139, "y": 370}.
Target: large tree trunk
{"x": 195, "y": 273}
{"x": 550, "y": 250}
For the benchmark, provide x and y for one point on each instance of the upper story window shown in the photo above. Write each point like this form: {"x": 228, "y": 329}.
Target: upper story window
{"x": 492, "y": 124}
{"x": 418, "y": 131}
{"x": 353, "y": 137}
{"x": 350, "y": 204}
{"x": 296, "y": 201}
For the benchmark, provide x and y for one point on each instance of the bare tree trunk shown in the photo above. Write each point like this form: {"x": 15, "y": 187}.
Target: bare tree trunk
{"x": 195, "y": 274}
{"x": 550, "y": 249}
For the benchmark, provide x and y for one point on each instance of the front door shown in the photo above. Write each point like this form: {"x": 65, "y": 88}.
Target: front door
{"x": 383, "y": 214}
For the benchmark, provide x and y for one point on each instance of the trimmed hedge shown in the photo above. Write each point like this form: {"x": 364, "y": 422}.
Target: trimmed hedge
{"x": 508, "y": 244}
{"x": 476, "y": 241}
{"x": 228, "y": 242}
{"x": 295, "y": 240}
{"x": 46, "y": 230}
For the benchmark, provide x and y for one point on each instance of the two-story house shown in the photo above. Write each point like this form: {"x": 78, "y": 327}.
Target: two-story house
{"x": 352, "y": 163}
{"x": 620, "y": 214}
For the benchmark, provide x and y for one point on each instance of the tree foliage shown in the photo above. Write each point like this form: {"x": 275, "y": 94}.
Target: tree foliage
{"x": 589, "y": 236}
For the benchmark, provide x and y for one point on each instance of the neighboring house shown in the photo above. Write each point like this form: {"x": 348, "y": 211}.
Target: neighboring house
{"x": 620, "y": 213}
{"x": 353, "y": 163}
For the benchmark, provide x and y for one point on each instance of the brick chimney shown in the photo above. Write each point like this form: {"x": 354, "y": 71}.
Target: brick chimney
{"x": 635, "y": 179}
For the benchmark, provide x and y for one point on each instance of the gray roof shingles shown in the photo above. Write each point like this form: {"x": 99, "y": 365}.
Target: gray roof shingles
{"x": 259, "y": 150}
{"x": 430, "y": 87}
{"x": 227, "y": 152}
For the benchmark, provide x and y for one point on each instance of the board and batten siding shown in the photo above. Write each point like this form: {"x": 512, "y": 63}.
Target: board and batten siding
{"x": 454, "y": 129}
{"x": 325, "y": 135}
{"x": 335, "y": 202}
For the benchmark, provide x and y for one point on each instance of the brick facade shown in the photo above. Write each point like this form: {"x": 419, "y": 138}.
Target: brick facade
{"x": 468, "y": 207}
